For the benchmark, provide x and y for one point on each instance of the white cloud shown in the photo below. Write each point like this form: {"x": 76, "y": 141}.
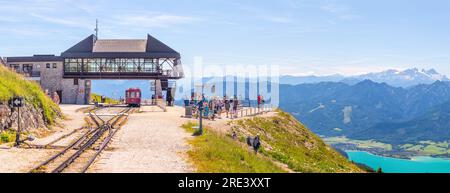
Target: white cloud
{"x": 342, "y": 12}
{"x": 154, "y": 20}
{"x": 70, "y": 22}
{"x": 282, "y": 20}
{"x": 334, "y": 8}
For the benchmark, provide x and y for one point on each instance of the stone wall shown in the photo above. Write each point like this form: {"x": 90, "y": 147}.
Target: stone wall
{"x": 52, "y": 81}
{"x": 30, "y": 117}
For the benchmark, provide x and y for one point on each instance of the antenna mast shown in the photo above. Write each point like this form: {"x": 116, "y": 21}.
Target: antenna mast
{"x": 96, "y": 28}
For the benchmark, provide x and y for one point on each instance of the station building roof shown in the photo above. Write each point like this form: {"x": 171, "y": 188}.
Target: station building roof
{"x": 35, "y": 58}
{"x": 91, "y": 47}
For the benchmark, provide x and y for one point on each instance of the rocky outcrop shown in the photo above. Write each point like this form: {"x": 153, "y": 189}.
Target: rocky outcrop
{"x": 30, "y": 117}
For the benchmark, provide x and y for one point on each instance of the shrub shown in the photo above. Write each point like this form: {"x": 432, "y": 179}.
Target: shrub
{"x": 7, "y": 136}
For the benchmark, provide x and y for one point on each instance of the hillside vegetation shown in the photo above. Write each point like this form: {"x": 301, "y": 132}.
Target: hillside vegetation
{"x": 13, "y": 84}
{"x": 98, "y": 98}
{"x": 287, "y": 145}
{"x": 216, "y": 153}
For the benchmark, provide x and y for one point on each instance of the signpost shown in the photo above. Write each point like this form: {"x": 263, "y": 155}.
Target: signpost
{"x": 17, "y": 102}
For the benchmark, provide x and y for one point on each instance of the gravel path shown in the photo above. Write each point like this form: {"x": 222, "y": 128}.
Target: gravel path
{"x": 75, "y": 120}
{"x": 150, "y": 142}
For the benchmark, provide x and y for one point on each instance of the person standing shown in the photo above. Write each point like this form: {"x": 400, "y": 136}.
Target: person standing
{"x": 235, "y": 106}
{"x": 231, "y": 108}
{"x": 227, "y": 106}
{"x": 55, "y": 98}
{"x": 259, "y": 100}
{"x": 219, "y": 108}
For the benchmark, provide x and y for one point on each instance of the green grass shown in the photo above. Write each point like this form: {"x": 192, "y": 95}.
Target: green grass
{"x": 7, "y": 136}
{"x": 415, "y": 148}
{"x": 13, "y": 84}
{"x": 427, "y": 147}
{"x": 290, "y": 142}
{"x": 98, "y": 98}
{"x": 358, "y": 143}
{"x": 434, "y": 150}
{"x": 215, "y": 153}
{"x": 406, "y": 146}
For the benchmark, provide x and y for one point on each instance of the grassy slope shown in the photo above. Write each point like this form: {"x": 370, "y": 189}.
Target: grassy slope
{"x": 216, "y": 153}
{"x": 98, "y": 98}
{"x": 285, "y": 140}
{"x": 292, "y": 143}
{"x": 13, "y": 84}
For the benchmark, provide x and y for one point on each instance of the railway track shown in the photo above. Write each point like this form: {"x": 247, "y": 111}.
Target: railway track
{"x": 79, "y": 155}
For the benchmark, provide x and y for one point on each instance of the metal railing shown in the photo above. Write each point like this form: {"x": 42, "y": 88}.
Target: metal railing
{"x": 245, "y": 111}
{"x": 252, "y": 111}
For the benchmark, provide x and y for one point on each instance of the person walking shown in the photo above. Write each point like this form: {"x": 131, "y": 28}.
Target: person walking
{"x": 256, "y": 144}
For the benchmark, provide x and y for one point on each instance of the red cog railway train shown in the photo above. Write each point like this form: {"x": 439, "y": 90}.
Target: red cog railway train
{"x": 133, "y": 97}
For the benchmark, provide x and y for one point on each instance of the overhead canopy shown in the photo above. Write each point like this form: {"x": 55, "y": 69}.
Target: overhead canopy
{"x": 120, "y": 48}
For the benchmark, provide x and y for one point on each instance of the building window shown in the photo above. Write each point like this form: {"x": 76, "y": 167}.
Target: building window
{"x": 72, "y": 65}
{"x": 27, "y": 68}
{"x": 16, "y": 67}
{"x": 75, "y": 81}
{"x": 48, "y": 65}
{"x": 54, "y": 65}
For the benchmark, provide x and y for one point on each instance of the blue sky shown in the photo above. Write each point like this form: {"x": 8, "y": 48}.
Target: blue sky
{"x": 301, "y": 36}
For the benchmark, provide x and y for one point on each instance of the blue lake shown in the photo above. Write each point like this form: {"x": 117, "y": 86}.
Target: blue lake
{"x": 394, "y": 165}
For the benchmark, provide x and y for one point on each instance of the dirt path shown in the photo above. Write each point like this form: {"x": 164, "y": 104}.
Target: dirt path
{"x": 150, "y": 142}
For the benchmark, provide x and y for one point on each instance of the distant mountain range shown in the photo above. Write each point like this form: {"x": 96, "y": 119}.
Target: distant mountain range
{"x": 406, "y": 78}
{"x": 370, "y": 110}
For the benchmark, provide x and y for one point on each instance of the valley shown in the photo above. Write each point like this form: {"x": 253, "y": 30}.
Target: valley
{"x": 376, "y": 117}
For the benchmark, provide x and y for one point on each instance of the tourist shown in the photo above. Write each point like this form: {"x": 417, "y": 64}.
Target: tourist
{"x": 227, "y": 106}
{"x": 206, "y": 113}
{"x": 231, "y": 108}
{"x": 219, "y": 108}
{"x": 55, "y": 98}
{"x": 234, "y": 135}
{"x": 256, "y": 144}
{"x": 259, "y": 101}
{"x": 235, "y": 106}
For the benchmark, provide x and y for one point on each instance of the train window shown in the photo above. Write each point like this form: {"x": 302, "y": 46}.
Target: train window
{"x": 133, "y": 95}
{"x": 138, "y": 94}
